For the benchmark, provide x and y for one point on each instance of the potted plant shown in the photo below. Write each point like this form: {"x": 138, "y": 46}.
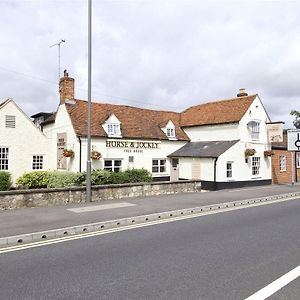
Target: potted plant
{"x": 250, "y": 152}
{"x": 268, "y": 153}
{"x": 68, "y": 153}
{"x": 95, "y": 155}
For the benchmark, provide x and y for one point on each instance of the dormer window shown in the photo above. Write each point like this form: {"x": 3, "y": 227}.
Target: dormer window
{"x": 113, "y": 129}
{"x": 170, "y": 131}
{"x": 112, "y": 126}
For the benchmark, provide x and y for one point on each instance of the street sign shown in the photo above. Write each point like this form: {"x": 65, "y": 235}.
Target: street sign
{"x": 293, "y": 136}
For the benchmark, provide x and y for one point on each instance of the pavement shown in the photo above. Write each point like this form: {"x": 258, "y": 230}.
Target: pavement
{"x": 31, "y": 220}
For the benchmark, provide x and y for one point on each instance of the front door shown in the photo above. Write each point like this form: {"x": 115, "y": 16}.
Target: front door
{"x": 174, "y": 174}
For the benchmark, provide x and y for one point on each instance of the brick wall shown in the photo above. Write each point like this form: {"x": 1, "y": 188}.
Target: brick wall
{"x": 282, "y": 177}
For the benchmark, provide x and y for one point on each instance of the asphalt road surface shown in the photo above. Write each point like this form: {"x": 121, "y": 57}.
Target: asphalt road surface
{"x": 229, "y": 255}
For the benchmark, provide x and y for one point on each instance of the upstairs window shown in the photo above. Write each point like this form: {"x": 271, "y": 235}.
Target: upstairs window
{"x": 171, "y": 132}
{"x": 3, "y": 158}
{"x": 113, "y": 129}
{"x": 10, "y": 121}
{"x": 255, "y": 130}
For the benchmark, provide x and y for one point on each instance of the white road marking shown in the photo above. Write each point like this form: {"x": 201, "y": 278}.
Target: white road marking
{"x": 100, "y": 207}
{"x": 128, "y": 227}
{"x": 276, "y": 285}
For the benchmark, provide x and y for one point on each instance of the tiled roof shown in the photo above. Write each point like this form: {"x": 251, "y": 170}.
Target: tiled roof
{"x": 218, "y": 112}
{"x": 203, "y": 149}
{"x": 135, "y": 122}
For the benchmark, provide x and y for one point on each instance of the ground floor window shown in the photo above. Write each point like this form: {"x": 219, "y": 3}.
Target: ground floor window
{"x": 37, "y": 162}
{"x": 229, "y": 169}
{"x": 298, "y": 159}
{"x": 158, "y": 165}
{"x": 3, "y": 158}
{"x": 282, "y": 163}
{"x": 255, "y": 165}
{"x": 113, "y": 165}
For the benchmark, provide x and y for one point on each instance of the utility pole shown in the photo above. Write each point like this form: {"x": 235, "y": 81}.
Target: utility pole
{"x": 89, "y": 163}
{"x": 58, "y": 44}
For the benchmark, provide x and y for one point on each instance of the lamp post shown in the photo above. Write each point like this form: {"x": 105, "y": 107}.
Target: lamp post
{"x": 88, "y": 166}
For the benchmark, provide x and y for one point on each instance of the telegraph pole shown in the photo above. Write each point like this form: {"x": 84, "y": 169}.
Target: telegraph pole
{"x": 89, "y": 163}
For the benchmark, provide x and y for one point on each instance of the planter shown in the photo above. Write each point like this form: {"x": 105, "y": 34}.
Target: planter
{"x": 268, "y": 153}
{"x": 250, "y": 152}
{"x": 95, "y": 155}
{"x": 68, "y": 153}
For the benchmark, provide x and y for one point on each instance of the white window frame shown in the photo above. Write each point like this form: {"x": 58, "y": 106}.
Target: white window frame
{"x": 255, "y": 165}
{"x": 159, "y": 165}
{"x": 298, "y": 160}
{"x": 282, "y": 163}
{"x": 4, "y": 158}
{"x": 113, "y": 129}
{"x": 255, "y": 130}
{"x": 171, "y": 132}
{"x": 114, "y": 167}
{"x": 229, "y": 169}
{"x": 37, "y": 162}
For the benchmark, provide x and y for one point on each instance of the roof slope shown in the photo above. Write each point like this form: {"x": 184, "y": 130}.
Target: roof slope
{"x": 203, "y": 149}
{"x": 135, "y": 122}
{"x": 218, "y": 112}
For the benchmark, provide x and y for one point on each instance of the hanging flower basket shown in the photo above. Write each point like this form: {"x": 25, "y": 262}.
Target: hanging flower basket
{"x": 250, "y": 152}
{"x": 68, "y": 153}
{"x": 268, "y": 153}
{"x": 95, "y": 155}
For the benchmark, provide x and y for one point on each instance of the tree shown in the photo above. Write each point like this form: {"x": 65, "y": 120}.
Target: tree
{"x": 296, "y": 114}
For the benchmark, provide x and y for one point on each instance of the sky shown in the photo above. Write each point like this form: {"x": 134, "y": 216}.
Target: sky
{"x": 164, "y": 55}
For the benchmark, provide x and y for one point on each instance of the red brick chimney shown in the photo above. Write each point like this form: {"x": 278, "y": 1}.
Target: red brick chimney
{"x": 66, "y": 88}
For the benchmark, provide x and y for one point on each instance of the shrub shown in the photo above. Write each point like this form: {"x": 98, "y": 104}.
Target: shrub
{"x": 5, "y": 181}
{"x": 62, "y": 179}
{"x": 33, "y": 180}
{"x": 138, "y": 175}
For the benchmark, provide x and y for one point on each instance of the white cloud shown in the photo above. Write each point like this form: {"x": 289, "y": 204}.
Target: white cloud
{"x": 157, "y": 54}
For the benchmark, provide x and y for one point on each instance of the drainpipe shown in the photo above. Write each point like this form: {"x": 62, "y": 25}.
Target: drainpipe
{"x": 79, "y": 140}
{"x": 215, "y": 173}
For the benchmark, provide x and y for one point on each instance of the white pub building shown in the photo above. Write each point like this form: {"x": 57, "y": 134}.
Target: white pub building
{"x": 221, "y": 143}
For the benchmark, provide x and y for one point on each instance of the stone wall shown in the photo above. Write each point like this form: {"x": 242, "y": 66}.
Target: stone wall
{"x": 61, "y": 196}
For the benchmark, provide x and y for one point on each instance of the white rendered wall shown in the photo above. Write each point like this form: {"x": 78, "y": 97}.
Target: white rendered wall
{"x": 63, "y": 125}
{"x": 223, "y": 132}
{"x": 141, "y": 159}
{"x": 23, "y": 141}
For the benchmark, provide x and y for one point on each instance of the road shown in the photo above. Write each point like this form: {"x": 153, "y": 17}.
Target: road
{"x": 230, "y": 255}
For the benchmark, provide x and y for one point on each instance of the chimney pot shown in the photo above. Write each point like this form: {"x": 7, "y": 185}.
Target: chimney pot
{"x": 242, "y": 93}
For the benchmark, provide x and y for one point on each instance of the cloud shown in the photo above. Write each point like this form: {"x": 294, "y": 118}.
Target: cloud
{"x": 156, "y": 54}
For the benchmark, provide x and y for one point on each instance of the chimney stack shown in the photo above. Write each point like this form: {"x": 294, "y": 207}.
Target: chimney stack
{"x": 66, "y": 88}
{"x": 242, "y": 93}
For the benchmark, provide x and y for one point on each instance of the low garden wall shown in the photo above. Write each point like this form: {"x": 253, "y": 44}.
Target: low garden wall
{"x": 60, "y": 196}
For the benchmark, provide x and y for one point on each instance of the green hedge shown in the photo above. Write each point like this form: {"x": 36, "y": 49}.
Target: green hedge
{"x": 55, "y": 179}
{"x": 5, "y": 181}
